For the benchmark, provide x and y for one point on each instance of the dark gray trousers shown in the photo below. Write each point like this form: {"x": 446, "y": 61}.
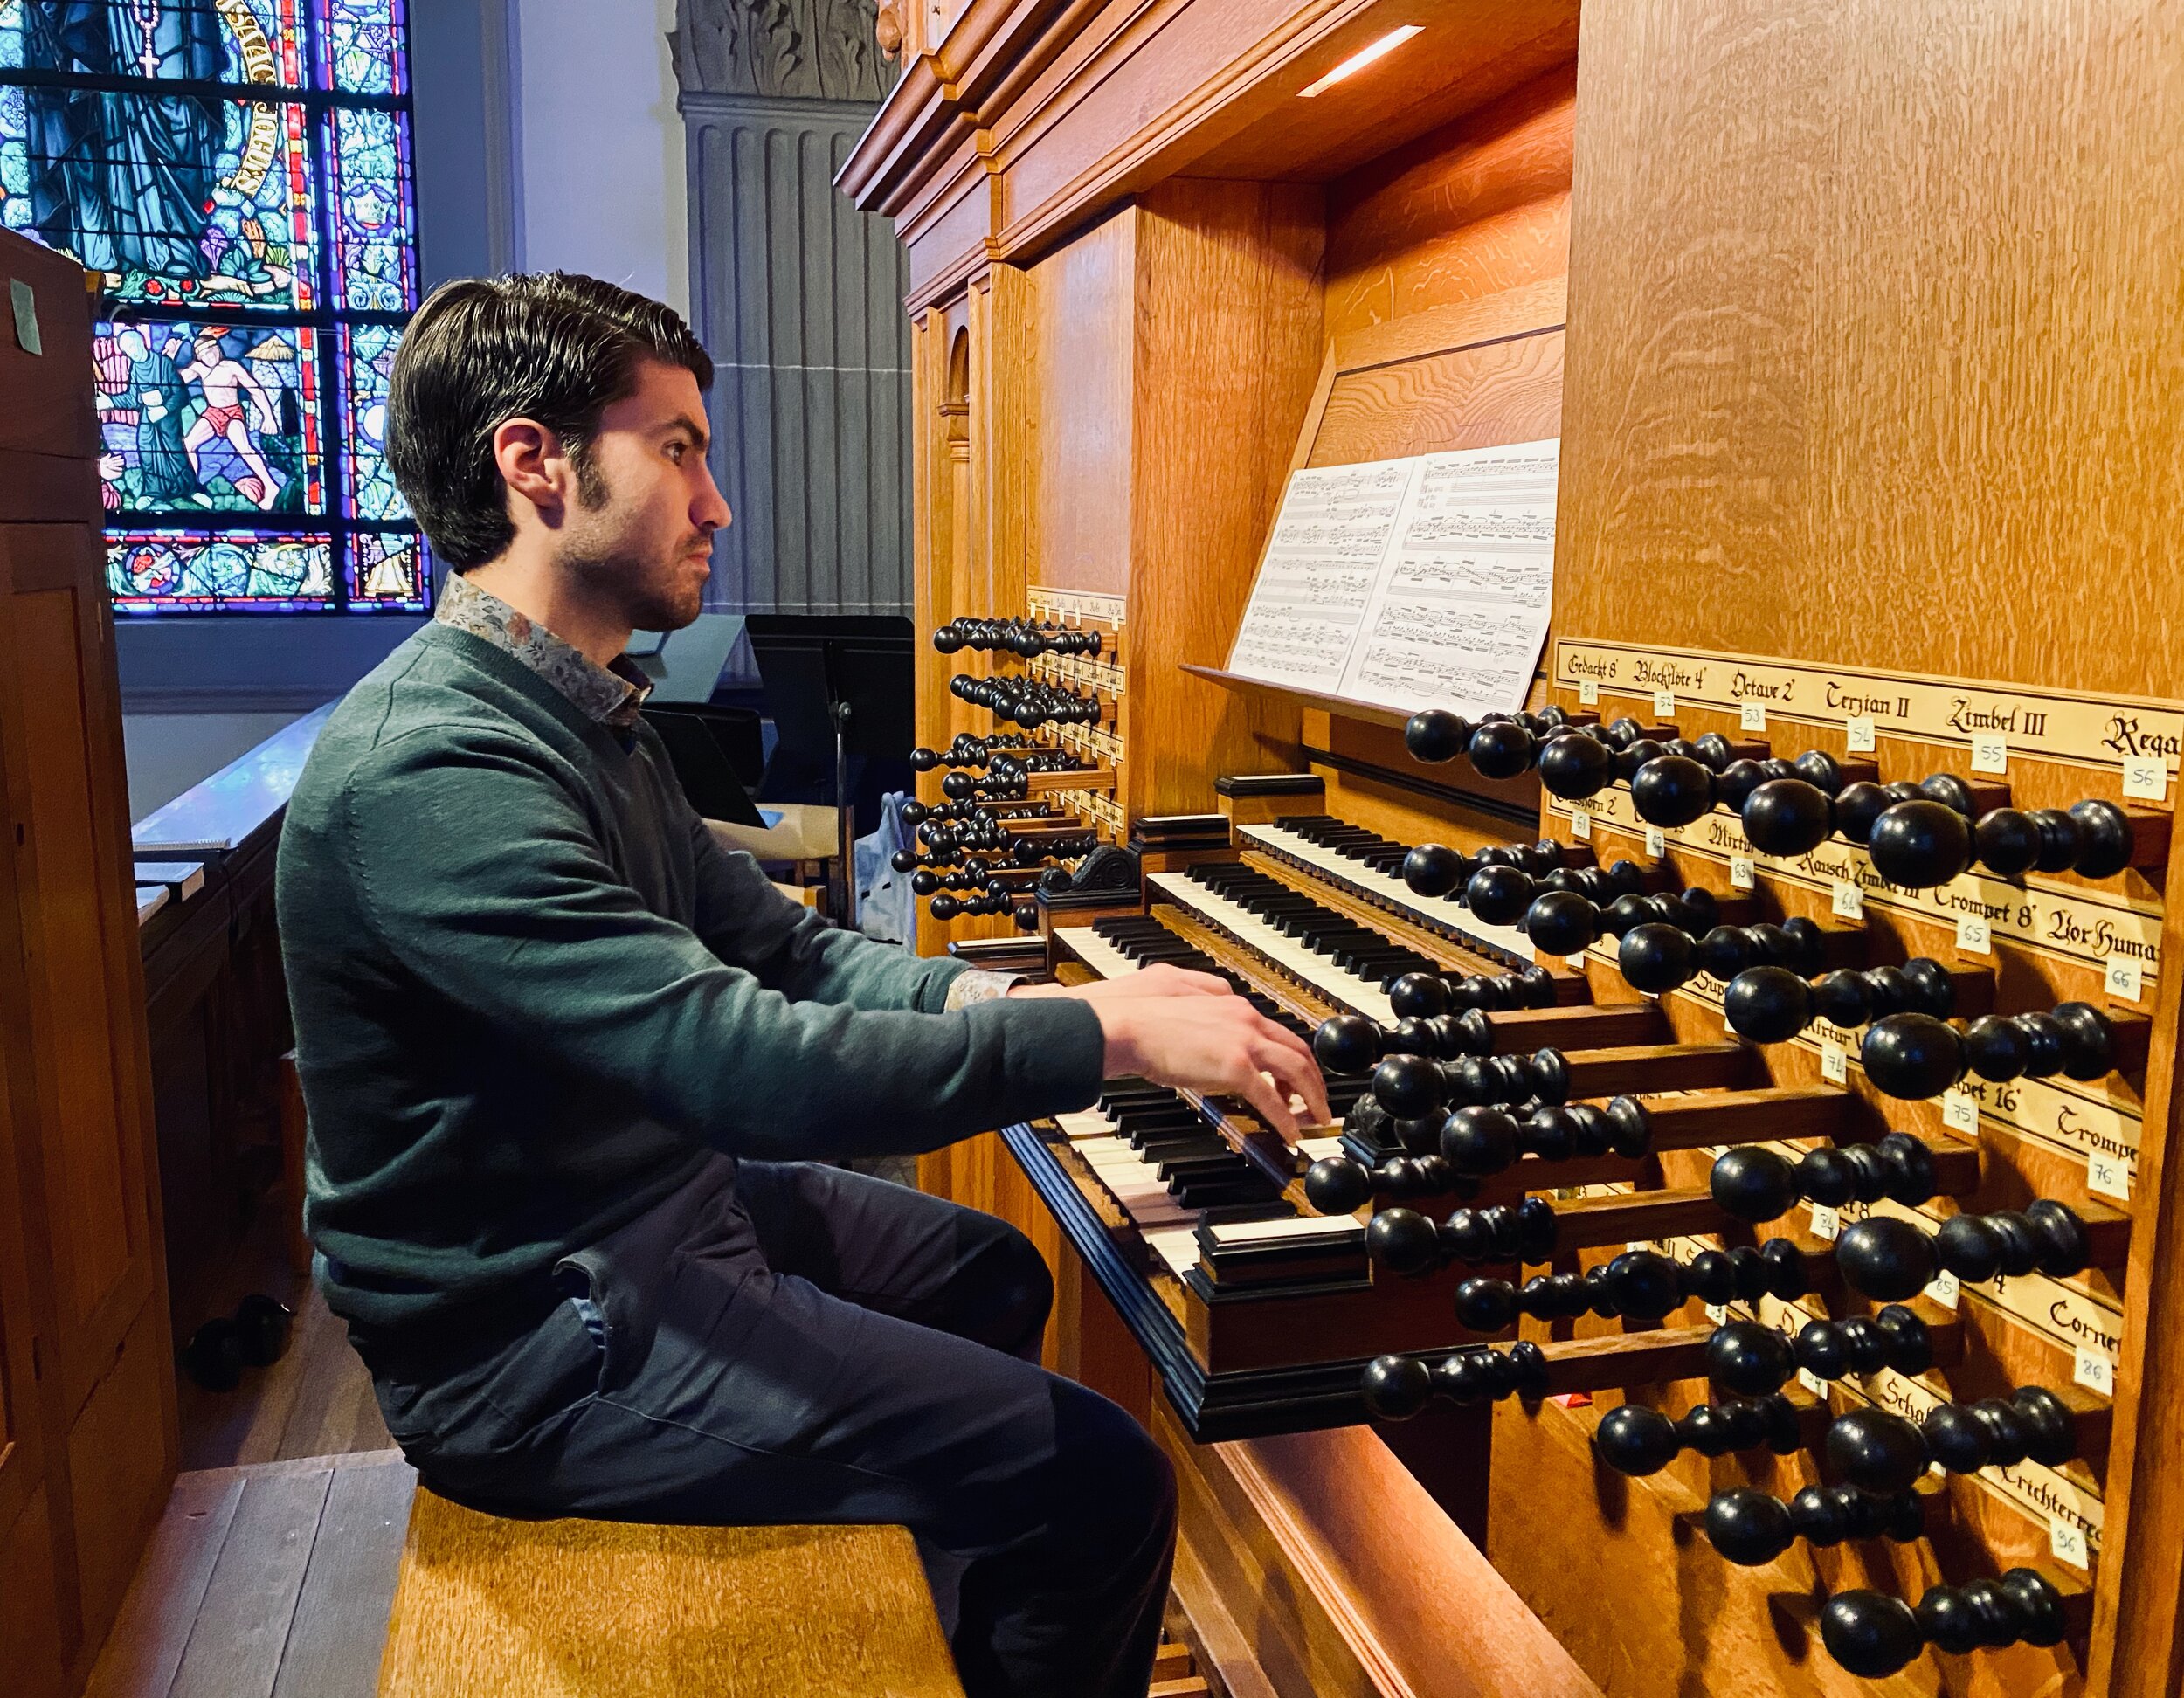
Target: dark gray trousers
{"x": 785, "y": 1343}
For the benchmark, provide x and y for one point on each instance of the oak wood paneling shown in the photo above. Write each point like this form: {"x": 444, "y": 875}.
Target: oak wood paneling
{"x": 1471, "y": 398}
{"x": 1084, "y": 408}
{"x": 1476, "y": 208}
{"x": 1228, "y": 349}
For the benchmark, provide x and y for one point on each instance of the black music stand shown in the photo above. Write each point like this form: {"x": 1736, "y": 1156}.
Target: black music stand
{"x": 837, "y": 686}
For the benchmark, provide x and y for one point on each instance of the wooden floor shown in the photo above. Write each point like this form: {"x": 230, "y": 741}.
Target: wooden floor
{"x": 315, "y": 1401}
{"x": 266, "y": 1582}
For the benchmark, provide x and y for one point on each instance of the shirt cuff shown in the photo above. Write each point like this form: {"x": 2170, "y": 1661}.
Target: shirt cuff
{"x": 976, "y": 986}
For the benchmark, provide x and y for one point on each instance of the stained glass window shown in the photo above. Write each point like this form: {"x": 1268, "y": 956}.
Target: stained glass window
{"x": 237, "y": 174}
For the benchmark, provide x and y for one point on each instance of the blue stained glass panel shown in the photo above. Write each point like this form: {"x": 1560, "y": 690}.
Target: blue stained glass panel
{"x": 367, "y": 179}
{"x": 198, "y": 40}
{"x": 232, "y": 233}
{"x": 386, "y": 571}
{"x": 148, "y": 571}
{"x": 236, "y": 227}
{"x": 360, "y": 46}
{"x": 197, "y": 418}
{"x": 366, "y": 364}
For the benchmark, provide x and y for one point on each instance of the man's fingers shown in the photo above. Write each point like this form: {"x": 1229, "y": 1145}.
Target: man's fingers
{"x": 1271, "y": 1103}
{"x": 1168, "y": 980}
{"x": 1296, "y": 1078}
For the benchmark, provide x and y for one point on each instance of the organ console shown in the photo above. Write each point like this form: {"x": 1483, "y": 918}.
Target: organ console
{"x": 1741, "y": 1259}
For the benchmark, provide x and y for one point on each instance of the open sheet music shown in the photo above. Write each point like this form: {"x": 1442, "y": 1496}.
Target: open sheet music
{"x": 1408, "y": 583}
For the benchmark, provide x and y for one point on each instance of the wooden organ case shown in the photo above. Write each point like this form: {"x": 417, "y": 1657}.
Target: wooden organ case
{"x": 1795, "y": 1308}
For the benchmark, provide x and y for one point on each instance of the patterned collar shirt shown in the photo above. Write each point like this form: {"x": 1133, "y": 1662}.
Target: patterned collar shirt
{"x": 611, "y": 695}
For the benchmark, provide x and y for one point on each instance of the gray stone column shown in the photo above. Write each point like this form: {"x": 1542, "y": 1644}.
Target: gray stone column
{"x": 799, "y": 297}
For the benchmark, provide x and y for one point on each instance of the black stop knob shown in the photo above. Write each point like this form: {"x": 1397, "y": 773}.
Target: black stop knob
{"x": 1747, "y": 1527}
{"x": 1913, "y": 1056}
{"x": 1868, "y": 1633}
{"x": 1562, "y": 923}
{"x": 1436, "y": 735}
{"x": 1768, "y": 1004}
{"x": 1671, "y": 791}
{"x": 1655, "y": 957}
{"x": 1748, "y": 1358}
{"x": 2104, "y": 840}
{"x": 1876, "y": 1451}
{"x": 1337, "y": 1185}
{"x": 1920, "y": 844}
{"x": 1501, "y": 749}
{"x": 1403, "y": 1241}
{"x": 1636, "y": 1440}
{"x": 1858, "y": 807}
{"x": 1346, "y": 1044}
{"x": 1753, "y": 1184}
{"x": 1576, "y": 766}
{"x": 2006, "y": 842}
{"x": 1787, "y": 817}
{"x": 1435, "y": 869}
{"x": 1499, "y": 895}
{"x": 1479, "y": 1141}
{"x": 1888, "y": 1260}
{"x": 1396, "y": 1387}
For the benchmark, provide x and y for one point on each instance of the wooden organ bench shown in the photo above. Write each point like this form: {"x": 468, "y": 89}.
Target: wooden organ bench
{"x": 583, "y": 1609}
{"x": 1746, "y": 1261}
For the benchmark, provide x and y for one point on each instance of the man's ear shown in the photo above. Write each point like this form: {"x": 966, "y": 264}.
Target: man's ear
{"x": 534, "y": 466}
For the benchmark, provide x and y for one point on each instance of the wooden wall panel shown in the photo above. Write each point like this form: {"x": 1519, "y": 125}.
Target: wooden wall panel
{"x": 1229, "y": 345}
{"x": 1938, "y": 429}
{"x": 1470, "y": 397}
{"x": 1082, "y": 401}
{"x": 1476, "y": 207}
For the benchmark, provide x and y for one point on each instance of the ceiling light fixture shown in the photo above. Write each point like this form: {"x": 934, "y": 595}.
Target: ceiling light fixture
{"x": 1357, "y": 61}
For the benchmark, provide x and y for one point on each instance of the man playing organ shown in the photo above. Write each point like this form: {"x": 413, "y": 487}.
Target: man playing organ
{"x": 572, "y": 1067}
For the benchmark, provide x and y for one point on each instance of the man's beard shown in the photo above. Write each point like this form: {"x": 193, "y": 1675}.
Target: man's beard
{"x": 647, "y": 599}
{"x": 616, "y": 577}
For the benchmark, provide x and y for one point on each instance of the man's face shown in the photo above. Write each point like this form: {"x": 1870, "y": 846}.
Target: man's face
{"x": 640, "y": 536}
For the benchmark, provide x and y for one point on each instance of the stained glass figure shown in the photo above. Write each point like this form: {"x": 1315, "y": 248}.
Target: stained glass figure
{"x": 252, "y": 228}
{"x": 367, "y": 366}
{"x": 231, "y": 572}
{"x": 369, "y": 182}
{"x": 206, "y": 417}
{"x": 386, "y": 570}
{"x": 361, "y": 47}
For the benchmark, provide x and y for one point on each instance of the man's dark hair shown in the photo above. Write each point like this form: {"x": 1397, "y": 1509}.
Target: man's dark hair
{"x": 551, "y": 346}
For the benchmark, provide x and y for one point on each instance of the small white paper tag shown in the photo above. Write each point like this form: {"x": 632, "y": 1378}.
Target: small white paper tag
{"x": 2066, "y": 1539}
{"x": 1740, "y": 872}
{"x": 1858, "y": 733}
{"x": 1656, "y": 845}
{"x": 1944, "y": 1289}
{"x": 2124, "y": 978}
{"x": 1831, "y": 1061}
{"x": 1811, "y": 1382}
{"x": 1826, "y": 1224}
{"x": 1718, "y": 1313}
{"x": 2096, "y": 1371}
{"x": 2108, "y": 1175}
{"x": 1588, "y": 692}
{"x": 1849, "y": 900}
{"x": 1751, "y": 716}
{"x": 1959, "y": 1111}
{"x": 2145, "y": 778}
{"x": 1664, "y": 705}
{"x": 1990, "y": 752}
{"x": 1581, "y": 826}
{"x": 1974, "y": 936}
{"x": 1576, "y": 961}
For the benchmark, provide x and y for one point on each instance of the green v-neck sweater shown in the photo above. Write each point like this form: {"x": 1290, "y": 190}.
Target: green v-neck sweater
{"x": 531, "y": 992}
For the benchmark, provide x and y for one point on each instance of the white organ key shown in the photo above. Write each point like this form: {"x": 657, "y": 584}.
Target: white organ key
{"x": 1339, "y": 983}
{"x": 1177, "y": 1246}
{"x": 1095, "y": 952}
{"x": 1366, "y": 881}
